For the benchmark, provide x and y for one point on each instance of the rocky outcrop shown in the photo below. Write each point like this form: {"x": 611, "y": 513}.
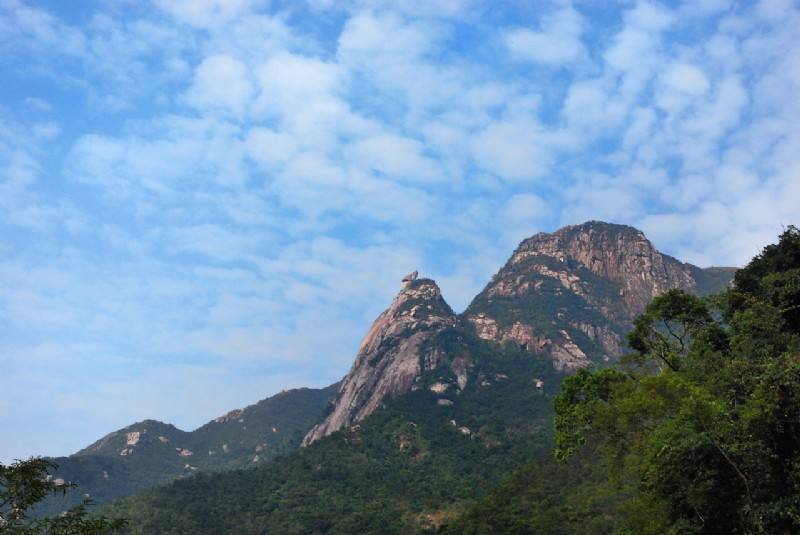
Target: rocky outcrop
{"x": 409, "y": 278}
{"x": 616, "y": 253}
{"x": 573, "y": 294}
{"x": 395, "y": 351}
{"x": 610, "y": 341}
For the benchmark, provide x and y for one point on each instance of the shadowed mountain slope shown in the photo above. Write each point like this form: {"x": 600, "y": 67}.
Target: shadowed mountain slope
{"x": 150, "y": 452}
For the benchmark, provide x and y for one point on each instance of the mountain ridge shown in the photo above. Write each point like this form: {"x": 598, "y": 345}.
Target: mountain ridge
{"x": 152, "y": 452}
{"x": 608, "y": 272}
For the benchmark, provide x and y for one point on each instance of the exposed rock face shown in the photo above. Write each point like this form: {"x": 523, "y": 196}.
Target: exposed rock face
{"x": 570, "y": 296}
{"x": 602, "y": 335}
{"x": 132, "y": 438}
{"x": 392, "y": 355}
{"x": 234, "y": 415}
{"x": 573, "y": 294}
{"x": 460, "y": 368}
{"x": 618, "y": 253}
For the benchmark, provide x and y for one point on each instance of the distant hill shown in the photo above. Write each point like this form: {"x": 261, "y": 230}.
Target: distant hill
{"x": 150, "y": 453}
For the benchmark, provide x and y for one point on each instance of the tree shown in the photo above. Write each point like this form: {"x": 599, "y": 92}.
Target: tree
{"x": 23, "y": 484}
{"x": 704, "y": 418}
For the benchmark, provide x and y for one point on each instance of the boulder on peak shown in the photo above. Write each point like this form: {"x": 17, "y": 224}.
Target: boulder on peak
{"x": 410, "y": 277}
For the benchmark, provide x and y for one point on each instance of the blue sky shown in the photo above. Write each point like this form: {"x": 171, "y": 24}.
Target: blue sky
{"x": 203, "y": 202}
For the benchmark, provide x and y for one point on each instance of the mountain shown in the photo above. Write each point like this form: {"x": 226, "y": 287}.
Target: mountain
{"x": 150, "y": 452}
{"x": 438, "y": 408}
{"x": 570, "y": 296}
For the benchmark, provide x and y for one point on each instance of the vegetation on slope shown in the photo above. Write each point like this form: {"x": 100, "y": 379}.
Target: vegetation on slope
{"x": 150, "y": 453}
{"x": 699, "y": 431}
{"x": 401, "y": 470}
{"x": 23, "y": 484}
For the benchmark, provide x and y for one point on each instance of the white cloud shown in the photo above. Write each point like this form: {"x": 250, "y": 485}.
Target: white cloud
{"x": 523, "y": 213}
{"x": 681, "y": 86}
{"x": 558, "y": 43}
{"x": 590, "y": 107}
{"x": 222, "y": 83}
{"x": 199, "y": 151}
{"x": 599, "y": 197}
{"x": 205, "y": 13}
{"x": 515, "y": 150}
{"x": 290, "y": 83}
{"x": 687, "y": 79}
{"x": 270, "y": 148}
{"x": 300, "y": 93}
{"x": 635, "y": 53}
{"x": 217, "y": 243}
{"x": 364, "y": 39}
{"x": 46, "y": 131}
{"x": 395, "y": 156}
{"x": 391, "y": 64}
{"x": 37, "y": 104}
{"x": 38, "y": 30}
{"x": 441, "y": 8}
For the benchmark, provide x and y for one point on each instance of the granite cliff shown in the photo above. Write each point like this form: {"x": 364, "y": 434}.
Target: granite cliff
{"x": 392, "y": 355}
{"x": 573, "y": 294}
{"x": 568, "y": 296}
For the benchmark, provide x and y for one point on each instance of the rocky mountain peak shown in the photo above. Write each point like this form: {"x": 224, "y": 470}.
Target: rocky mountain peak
{"x": 618, "y": 253}
{"x": 392, "y": 354}
{"x": 569, "y": 296}
{"x": 573, "y": 293}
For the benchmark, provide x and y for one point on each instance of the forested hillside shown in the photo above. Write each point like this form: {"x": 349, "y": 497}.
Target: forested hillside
{"x": 698, "y": 431}
{"x": 404, "y": 468}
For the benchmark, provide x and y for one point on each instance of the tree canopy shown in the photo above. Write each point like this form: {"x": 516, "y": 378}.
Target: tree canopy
{"x": 703, "y": 420}
{"x": 23, "y": 484}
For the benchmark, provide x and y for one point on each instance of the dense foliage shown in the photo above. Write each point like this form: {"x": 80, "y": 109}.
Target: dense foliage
{"x": 547, "y": 497}
{"x": 697, "y": 432}
{"x": 23, "y": 484}
{"x": 704, "y": 421}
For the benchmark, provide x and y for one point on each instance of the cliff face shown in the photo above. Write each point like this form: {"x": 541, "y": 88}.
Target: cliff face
{"x": 617, "y": 253}
{"x": 392, "y": 355}
{"x": 573, "y": 294}
{"x": 570, "y": 296}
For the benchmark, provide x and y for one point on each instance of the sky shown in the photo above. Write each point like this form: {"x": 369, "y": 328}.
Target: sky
{"x": 204, "y": 202}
